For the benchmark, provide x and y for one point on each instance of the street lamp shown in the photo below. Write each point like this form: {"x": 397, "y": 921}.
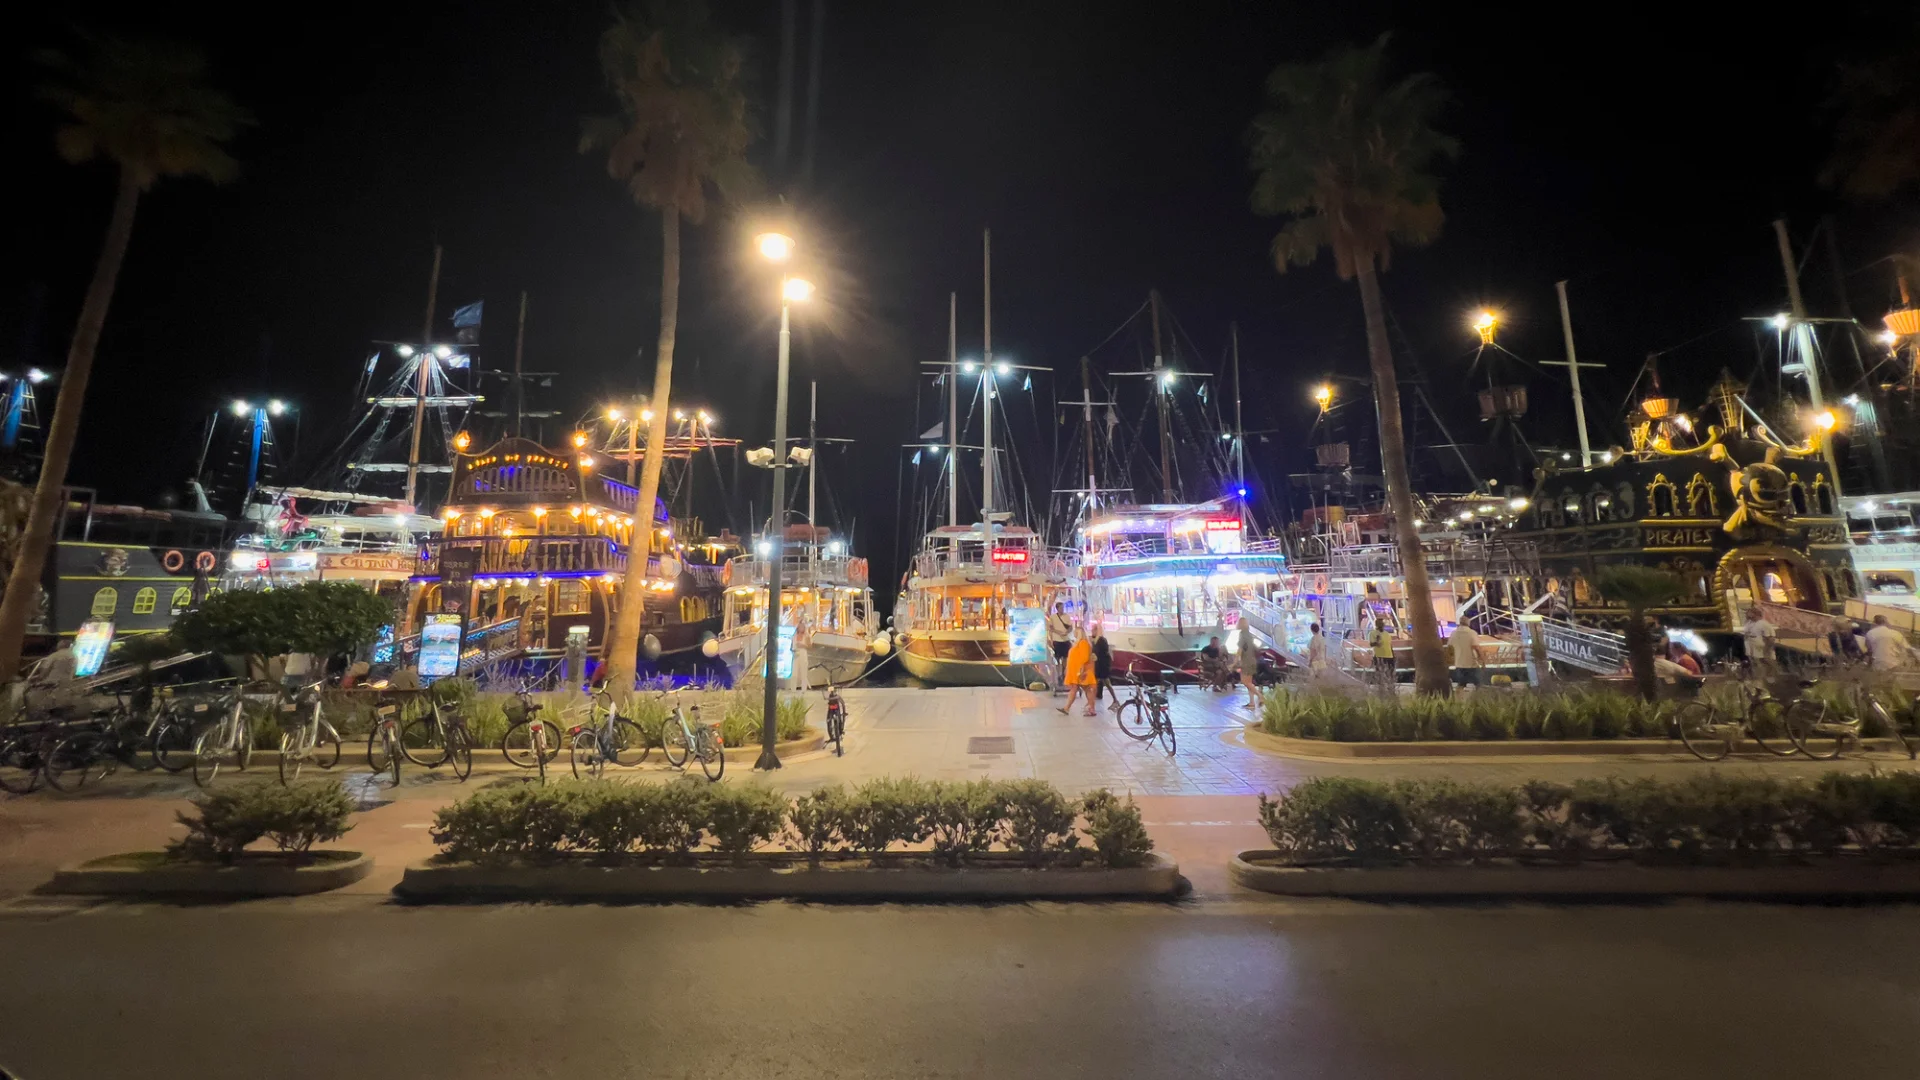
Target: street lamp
{"x": 1323, "y": 396}
{"x": 778, "y": 248}
{"x": 1484, "y": 323}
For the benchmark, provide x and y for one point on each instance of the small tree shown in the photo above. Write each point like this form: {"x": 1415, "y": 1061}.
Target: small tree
{"x": 1639, "y": 588}
{"x": 317, "y": 617}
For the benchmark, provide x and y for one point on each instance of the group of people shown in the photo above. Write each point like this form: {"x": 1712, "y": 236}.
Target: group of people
{"x": 1880, "y": 646}
{"x": 1085, "y": 661}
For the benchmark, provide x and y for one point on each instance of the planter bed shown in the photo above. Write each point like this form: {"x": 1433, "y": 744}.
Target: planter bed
{"x": 784, "y": 875}
{"x": 1324, "y": 748}
{"x": 353, "y": 753}
{"x": 1809, "y": 878}
{"x": 154, "y": 873}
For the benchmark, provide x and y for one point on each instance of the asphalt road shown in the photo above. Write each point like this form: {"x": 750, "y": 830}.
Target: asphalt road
{"x": 357, "y": 987}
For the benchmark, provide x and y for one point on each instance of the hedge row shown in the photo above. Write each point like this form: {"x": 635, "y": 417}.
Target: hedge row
{"x": 1490, "y": 715}
{"x": 957, "y": 820}
{"x": 1703, "y": 818}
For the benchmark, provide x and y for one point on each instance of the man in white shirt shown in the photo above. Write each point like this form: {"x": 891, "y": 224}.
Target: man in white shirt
{"x": 1464, "y": 644}
{"x": 1759, "y": 634}
{"x": 1886, "y": 647}
{"x": 1060, "y": 640}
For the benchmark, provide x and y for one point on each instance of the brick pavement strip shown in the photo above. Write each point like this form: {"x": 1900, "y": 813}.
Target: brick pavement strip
{"x": 1199, "y": 804}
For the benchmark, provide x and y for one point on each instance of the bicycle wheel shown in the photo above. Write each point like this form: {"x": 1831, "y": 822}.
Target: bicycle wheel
{"x": 585, "y": 756}
{"x": 460, "y": 752}
{"x": 293, "y": 754}
{"x": 630, "y": 745}
{"x": 713, "y": 755}
{"x": 20, "y": 763}
{"x": 390, "y": 751}
{"x": 173, "y": 745}
{"x": 423, "y": 743}
{"x": 133, "y": 742}
{"x": 326, "y": 751}
{"x": 1164, "y": 725}
{"x": 74, "y": 760}
{"x": 836, "y": 729}
{"x": 379, "y": 747}
{"x": 1699, "y": 727}
{"x": 1134, "y": 720}
{"x": 673, "y": 741}
{"x": 207, "y": 753}
{"x": 242, "y": 736}
{"x": 1899, "y": 724}
{"x": 1813, "y": 733}
{"x": 543, "y": 736}
{"x": 517, "y": 745}
{"x": 1767, "y": 725}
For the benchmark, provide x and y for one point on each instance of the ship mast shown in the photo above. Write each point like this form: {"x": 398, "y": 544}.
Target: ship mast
{"x": 986, "y": 381}
{"x": 953, "y": 411}
{"x": 813, "y": 472}
{"x": 1239, "y": 428}
{"x": 1160, "y": 379}
{"x": 1086, "y": 420}
{"x": 420, "y": 382}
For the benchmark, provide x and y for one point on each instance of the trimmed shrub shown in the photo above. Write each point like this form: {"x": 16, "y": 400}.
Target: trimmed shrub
{"x": 744, "y": 816}
{"x": 1337, "y": 817}
{"x": 523, "y": 821}
{"x": 1119, "y": 835}
{"x": 679, "y": 814}
{"x": 742, "y": 709}
{"x": 1040, "y": 820}
{"x": 965, "y": 818}
{"x": 293, "y": 818}
{"x": 888, "y": 811}
{"x": 816, "y": 821}
{"x": 1483, "y": 716}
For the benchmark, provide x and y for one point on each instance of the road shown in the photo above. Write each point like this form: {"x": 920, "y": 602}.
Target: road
{"x": 330, "y": 987}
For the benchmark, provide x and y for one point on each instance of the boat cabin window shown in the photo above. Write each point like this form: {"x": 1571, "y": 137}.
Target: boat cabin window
{"x": 857, "y": 611}
{"x": 570, "y": 597}
{"x": 105, "y": 601}
{"x": 1889, "y": 582}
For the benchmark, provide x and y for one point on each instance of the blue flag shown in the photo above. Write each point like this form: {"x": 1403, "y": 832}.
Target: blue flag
{"x": 469, "y": 315}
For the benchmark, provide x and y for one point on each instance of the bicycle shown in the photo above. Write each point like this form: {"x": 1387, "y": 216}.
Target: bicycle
{"x": 440, "y": 728}
{"x": 1144, "y": 715}
{"x": 836, "y": 715}
{"x": 23, "y": 747}
{"x": 1710, "y": 734}
{"x": 312, "y": 738}
{"x": 530, "y": 740}
{"x": 229, "y": 736}
{"x": 174, "y": 730}
{"x": 681, "y": 738}
{"x": 595, "y": 744}
{"x": 383, "y": 741}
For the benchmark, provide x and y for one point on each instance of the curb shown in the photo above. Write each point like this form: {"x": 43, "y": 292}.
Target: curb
{"x": 493, "y": 755}
{"x": 1824, "y": 879}
{"x": 1326, "y": 750}
{"x": 244, "y": 880}
{"x": 425, "y": 882}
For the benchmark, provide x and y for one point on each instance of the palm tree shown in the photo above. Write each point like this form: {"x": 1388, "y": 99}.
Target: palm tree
{"x": 682, "y": 132}
{"x": 1638, "y": 588}
{"x": 145, "y": 108}
{"x": 1345, "y": 156}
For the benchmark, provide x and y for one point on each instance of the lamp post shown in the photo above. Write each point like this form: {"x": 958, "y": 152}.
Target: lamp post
{"x": 777, "y": 247}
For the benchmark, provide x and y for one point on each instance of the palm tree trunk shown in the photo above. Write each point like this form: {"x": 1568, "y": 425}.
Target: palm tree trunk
{"x": 624, "y": 645}
{"x": 48, "y": 494}
{"x": 1429, "y": 666}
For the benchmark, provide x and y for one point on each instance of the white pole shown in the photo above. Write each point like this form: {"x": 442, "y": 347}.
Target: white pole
{"x": 1573, "y": 377}
{"x": 986, "y": 385}
{"x": 1800, "y": 335}
{"x": 953, "y": 410}
{"x": 813, "y": 470}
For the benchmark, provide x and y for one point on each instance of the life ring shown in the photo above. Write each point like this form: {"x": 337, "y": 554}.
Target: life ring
{"x": 857, "y": 571}
{"x": 726, "y": 574}
{"x": 203, "y": 561}
{"x": 174, "y": 561}
{"x": 1318, "y": 585}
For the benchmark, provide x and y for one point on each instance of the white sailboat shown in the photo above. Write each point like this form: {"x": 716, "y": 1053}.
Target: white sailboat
{"x": 972, "y": 608}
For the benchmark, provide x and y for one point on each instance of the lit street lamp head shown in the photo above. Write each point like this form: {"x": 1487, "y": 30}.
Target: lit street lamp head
{"x": 613, "y": 413}
{"x": 1484, "y": 324}
{"x": 775, "y": 247}
{"x": 276, "y": 407}
{"x": 1323, "y": 396}
{"x": 795, "y": 290}
{"x": 241, "y": 408}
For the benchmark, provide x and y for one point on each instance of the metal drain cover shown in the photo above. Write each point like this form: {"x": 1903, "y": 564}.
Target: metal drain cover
{"x": 990, "y": 744}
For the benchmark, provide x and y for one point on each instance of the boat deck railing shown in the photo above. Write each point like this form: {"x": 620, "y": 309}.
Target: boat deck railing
{"x": 972, "y": 563}
{"x": 797, "y": 570}
{"x": 537, "y": 554}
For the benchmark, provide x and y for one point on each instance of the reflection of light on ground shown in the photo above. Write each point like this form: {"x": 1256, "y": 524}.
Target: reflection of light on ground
{"x": 366, "y": 789}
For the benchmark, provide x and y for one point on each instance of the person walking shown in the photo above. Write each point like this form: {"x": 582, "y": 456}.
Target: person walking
{"x": 1381, "y": 639}
{"x": 1464, "y": 645}
{"x": 1079, "y": 673}
{"x": 1060, "y": 640}
{"x": 1760, "y": 635}
{"x": 1247, "y": 653}
{"x": 1103, "y": 669}
{"x": 1316, "y": 649}
{"x": 1886, "y": 647}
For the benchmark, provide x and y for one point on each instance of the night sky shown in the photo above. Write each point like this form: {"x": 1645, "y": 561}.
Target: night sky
{"x": 1639, "y": 157}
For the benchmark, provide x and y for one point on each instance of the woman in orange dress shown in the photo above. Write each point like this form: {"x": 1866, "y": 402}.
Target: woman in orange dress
{"x": 1079, "y": 675}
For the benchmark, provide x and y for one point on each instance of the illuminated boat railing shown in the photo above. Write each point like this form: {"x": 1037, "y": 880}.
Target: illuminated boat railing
{"x": 1008, "y": 563}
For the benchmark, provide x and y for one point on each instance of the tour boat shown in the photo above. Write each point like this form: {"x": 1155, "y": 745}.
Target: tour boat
{"x": 826, "y": 611}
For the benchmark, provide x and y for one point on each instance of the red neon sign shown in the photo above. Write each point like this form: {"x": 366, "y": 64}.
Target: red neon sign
{"x": 1010, "y": 555}
{"x": 1222, "y": 524}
